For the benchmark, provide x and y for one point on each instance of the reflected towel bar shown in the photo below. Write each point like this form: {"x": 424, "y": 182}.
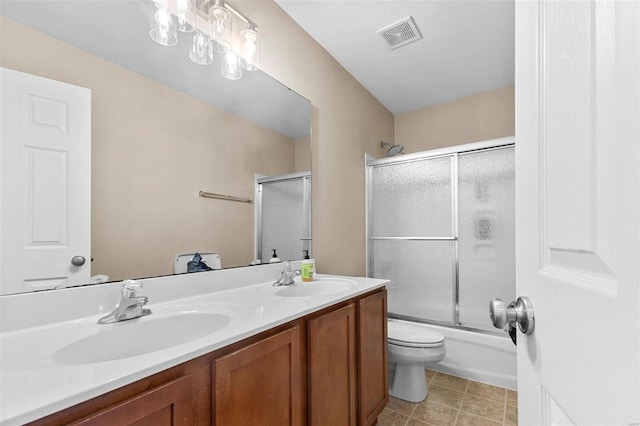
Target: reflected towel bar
{"x": 224, "y": 197}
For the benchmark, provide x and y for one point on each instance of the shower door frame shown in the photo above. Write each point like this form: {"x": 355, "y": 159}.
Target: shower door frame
{"x": 306, "y": 208}
{"x": 453, "y": 152}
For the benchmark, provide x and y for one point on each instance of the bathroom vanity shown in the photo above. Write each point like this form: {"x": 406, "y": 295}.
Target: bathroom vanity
{"x": 295, "y": 355}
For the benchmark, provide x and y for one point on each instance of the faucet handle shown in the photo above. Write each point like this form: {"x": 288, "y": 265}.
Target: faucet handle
{"x": 130, "y": 288}
{"x": 287, "y": 266}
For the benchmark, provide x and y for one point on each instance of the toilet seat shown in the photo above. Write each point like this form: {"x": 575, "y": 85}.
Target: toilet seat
{"x": 413, "y": 335}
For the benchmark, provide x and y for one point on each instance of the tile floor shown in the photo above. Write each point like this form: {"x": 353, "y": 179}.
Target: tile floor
{"x": 454, "y": 401}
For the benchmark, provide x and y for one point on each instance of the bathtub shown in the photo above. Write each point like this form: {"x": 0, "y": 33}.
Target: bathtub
{"x": 477, "y": 356}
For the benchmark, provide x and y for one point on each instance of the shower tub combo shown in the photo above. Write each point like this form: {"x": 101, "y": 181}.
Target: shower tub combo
{"x": 441, "y": 227}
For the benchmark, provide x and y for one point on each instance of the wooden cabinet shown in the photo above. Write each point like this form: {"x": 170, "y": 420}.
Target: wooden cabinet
{"x": 373, "y": 381}
{"x": 260, "y": 384}
{"x": 170, "y": 404}
{"x": 331, "y": 363}
{"x": 328, "y": 368}
{"x": 347, "y": 363}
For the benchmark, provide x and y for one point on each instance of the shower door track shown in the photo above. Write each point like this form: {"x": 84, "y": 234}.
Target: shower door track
{"x": 416, "y": 238}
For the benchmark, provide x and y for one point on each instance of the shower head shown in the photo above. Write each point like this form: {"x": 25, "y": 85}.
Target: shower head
{"x": 393, "y": 149}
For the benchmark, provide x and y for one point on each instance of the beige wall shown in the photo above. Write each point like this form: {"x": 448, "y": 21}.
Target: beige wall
{"x": 153, "y": 149}
{"x": 347, "y": 122}
{"x": 303, "y": 154}
{"x": 479, "y": 117}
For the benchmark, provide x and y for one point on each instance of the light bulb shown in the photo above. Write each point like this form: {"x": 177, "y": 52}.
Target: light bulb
{"x": 163, "y": 30}
{"x": 186, "y": 16}
{"x": 250, "y": 49}
{"x": 249, "y": 52}
{"x": 163, "y": 18}
{"x": 230, "y": 66}
{"x": 183, "y": 5}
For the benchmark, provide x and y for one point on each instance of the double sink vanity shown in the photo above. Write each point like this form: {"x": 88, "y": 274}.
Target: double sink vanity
{"x": 219, "y": 348}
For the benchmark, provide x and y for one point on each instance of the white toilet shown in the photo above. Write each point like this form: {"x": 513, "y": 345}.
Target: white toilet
{"x": 411, "y": 346}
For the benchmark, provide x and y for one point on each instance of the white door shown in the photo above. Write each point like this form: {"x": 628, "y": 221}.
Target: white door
{"x": 45, "y": 183}
{"x": 578, "y": 210}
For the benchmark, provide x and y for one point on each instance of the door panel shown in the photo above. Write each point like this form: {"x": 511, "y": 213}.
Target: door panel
{"x": 578, "y": 215}
{"x": 332, "y": 371}
{"x": 486, "y": 232}
{"x": 170, "y": 404}
{"x": 373, "y": 380}
{"x": 413, "y": 199}
{"x": 260, "y": 383}
{"x": 45, "y": 163}
{"x": 423, "y": 277}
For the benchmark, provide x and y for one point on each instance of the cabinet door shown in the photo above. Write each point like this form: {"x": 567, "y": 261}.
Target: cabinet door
{"x": 331, "y": 359}
{"x": 260, "y": 384}
{"x": 169, "y": 404}
{"x": 373, "y": 383}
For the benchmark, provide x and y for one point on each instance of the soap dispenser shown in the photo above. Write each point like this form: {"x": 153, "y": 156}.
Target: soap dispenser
{"x": 306, "y": 267}
{"x": 274, "y": 258}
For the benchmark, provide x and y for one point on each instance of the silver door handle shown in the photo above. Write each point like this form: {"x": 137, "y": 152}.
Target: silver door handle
{"x": 520, "y": 311}
{"x": 77, "y": 260}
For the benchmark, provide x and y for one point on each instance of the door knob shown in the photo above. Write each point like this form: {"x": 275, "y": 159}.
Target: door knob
{"x": 520, "y": 311}
{"x": 77, "y": 260}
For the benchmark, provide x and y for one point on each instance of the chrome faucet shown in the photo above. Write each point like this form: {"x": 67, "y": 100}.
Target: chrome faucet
{"x": 287, "y": 275}
{"x": 130, "y": 306}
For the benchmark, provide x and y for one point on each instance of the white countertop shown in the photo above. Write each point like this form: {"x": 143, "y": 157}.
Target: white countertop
{"x": 33, "y": 384}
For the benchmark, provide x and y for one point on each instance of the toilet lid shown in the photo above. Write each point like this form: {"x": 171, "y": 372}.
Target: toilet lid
{"x": 407, "y": 334}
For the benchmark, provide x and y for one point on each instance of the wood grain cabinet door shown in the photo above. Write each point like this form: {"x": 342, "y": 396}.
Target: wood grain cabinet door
{"x": 331, "y": 359}
{"x": 373, "y": 383}
{"x": 260, "y": 384}
{"x": 170, "y": 404}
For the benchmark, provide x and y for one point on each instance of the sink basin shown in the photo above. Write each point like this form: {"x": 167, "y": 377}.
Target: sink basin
{"x": 140, "y": 336}
{"x": 318, "y": 287}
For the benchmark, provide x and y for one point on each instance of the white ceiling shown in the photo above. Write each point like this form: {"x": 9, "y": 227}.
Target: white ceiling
{"x": 467, "y": 46}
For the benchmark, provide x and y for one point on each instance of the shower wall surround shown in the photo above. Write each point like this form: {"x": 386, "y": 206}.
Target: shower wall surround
{"x": 441, "y": 227}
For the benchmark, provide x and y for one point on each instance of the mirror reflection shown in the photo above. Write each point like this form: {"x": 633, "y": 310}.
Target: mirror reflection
{"x": 162, "y": 130}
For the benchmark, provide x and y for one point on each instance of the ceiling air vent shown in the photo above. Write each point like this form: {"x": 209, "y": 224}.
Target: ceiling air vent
{"x": 400, "y": 33}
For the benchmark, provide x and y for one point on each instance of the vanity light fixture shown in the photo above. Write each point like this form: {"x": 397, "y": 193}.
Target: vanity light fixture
{"x": 211, "y": 22}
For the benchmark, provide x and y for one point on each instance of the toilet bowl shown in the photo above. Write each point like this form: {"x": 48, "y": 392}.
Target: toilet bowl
{"x": 412, "y": 346}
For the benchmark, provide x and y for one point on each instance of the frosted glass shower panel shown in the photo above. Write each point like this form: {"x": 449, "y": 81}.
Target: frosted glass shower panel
{"x": 486, "y": 228}
{"x": 283, "y": 219}
{"x": 421, "y": 274}
{"x": 412, "y": 199}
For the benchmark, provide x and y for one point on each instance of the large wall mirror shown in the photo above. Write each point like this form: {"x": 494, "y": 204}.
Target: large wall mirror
{"x": 162, "y": 130}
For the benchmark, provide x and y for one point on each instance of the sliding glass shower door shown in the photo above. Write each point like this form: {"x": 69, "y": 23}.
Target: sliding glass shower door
{"x": 283, "y": 216}
{"x": 486, "y": 232}
{"x": 441, "y": 228}
{"x": 412, "y": 238}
